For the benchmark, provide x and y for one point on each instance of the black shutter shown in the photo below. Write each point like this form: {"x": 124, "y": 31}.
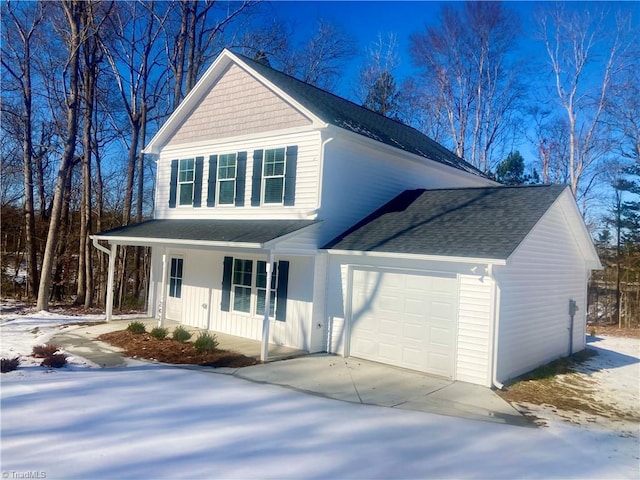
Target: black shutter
{"x": 211, "y": 188}
{"x": 256, "y": 179}
{"x": 173, "y": 185}
{"x": 241, "y": 174}
{"x": 290, "y": 176}
{"x": 197, "y": 182}
{"x": 281, "y": 292}
{"x": 227, "y": 267}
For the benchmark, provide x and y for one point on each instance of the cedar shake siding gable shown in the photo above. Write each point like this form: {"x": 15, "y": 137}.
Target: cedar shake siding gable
{"x": 237, "y": 104}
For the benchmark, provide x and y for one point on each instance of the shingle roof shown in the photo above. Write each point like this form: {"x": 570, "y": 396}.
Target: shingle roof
{"x": 468, "y": 222}
{"x": 355, "y": 118}
{"x": 234, "y": 231}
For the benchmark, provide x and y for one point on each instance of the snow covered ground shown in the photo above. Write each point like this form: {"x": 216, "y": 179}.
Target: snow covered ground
{"x": 155, "y": 421}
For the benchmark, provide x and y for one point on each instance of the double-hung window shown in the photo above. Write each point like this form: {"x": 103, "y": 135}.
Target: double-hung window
{"x": 227, "y": 179}
{"x": 186, "y": 177}
{"x": 244, "y": 287}
{"x": 242, "y": 283}
{"x": 273, "y": 175}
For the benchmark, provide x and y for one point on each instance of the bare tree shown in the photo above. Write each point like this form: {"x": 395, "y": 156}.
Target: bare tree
{"x": 16, "y": 60}
{"x": 320, "y": 60}
{"x": 377, "y": 88}
{"x": 464, "y": 59}
{"x": 586, "y": 56}
{"x": 73, "y": 12}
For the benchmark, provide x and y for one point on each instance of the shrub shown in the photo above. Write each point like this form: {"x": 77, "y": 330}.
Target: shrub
{"x": 592, "y": 331}
{"x": 57, "y": 360}
{"x": 181, "y": 334}
{"x": 9, "y": 364}
{"x": 159, "y": 333}
{"x": 206, "y": 343}
{"x": 136, "y": 327}
{"x": 44, "y": 351}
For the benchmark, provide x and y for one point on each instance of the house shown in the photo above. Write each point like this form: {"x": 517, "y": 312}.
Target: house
{"x": 286, "y": 214}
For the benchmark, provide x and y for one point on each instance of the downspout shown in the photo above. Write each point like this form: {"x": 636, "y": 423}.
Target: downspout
{"x": 321, "y": 173}
{"x": 496, "y": 330}
{"x": 111, "y": 253}
{"x": 162, "y": 307}
{"x": 264, "y": 351}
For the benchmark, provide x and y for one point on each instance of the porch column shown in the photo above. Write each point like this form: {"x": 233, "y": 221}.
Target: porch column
{"x": 264, "y": 352}
{"x": 110, "y": 275}
{"x": 163, "y": 290}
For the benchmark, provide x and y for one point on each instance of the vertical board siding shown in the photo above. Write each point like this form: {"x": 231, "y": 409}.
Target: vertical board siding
{"x": 237, "y": 104}
{"x": 535, "y": 287}
{"x": 201, "y": 299}
{"x": 307, "y": 174}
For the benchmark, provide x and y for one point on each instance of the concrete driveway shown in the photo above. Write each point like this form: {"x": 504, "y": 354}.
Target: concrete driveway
{"x": 346, "y": 379}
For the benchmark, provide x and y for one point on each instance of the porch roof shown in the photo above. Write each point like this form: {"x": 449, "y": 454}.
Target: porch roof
{"x": 233, "y": 233}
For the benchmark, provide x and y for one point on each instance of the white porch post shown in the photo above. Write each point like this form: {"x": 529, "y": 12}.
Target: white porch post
{"x": 163, "y": 291}
{"x": 264, "y": 352}
{"x": 110, "y": 275}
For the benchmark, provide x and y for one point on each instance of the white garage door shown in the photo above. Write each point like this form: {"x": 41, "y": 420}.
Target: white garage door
{"x": 405, "y": 319}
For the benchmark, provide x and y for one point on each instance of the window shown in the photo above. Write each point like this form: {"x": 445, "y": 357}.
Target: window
{"x": 273, "y": 174}
{"x": 261, "y": 286}
{"x": 227, "y": 179}
{"x": 244, "y": 285}
{"x": 175, "y": 278}
{"x": 242, "y": 273}
{"x": 186, "y": 177}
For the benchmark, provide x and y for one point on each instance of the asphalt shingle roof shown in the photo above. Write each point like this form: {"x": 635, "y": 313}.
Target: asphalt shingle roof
{"x": 485, "y": 222}
{"x": 237, "y": 231}
{"x": 355, "y": 118}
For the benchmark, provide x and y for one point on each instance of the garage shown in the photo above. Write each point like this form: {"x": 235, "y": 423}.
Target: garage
{"x": 404, "y": 318}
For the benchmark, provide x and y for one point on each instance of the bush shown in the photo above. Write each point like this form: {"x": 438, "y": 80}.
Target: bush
{"x": 44, "y": 351}
{"x": 136, "y": 327}
{"x": 206, "y": 343}
{"x": 159, "y": 333}
{"x": 9, "y": 364}
{"x": 181, "y": 334}
{"x": 57, "y": 360}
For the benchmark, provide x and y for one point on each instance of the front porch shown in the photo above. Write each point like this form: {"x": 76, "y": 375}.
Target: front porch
{"x": 82, "y": 342}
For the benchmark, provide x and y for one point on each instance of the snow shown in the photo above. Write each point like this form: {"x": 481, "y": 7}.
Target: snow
{"x": 156, "y": 421}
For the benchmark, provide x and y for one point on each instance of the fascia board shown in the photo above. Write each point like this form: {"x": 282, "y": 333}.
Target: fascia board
{"x": 149, "y": 241}
{"x": 414, "y": 256}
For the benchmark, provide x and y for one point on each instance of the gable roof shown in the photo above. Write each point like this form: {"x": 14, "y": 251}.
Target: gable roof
{"x": 488, "y": 222}
{"x": 248, "y": 233}
{"x": 320, "y": 105}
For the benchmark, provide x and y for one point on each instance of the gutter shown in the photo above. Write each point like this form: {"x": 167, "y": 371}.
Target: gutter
{"x": 496, "y": 331}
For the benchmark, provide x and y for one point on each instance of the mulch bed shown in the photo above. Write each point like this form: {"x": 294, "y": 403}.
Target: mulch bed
{"x": 143, "y": 345}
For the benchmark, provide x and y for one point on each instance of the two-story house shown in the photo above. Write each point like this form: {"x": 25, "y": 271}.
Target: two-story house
{"x": 289, "y": 215}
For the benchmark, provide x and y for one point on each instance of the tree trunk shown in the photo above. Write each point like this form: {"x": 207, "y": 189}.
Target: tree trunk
{"x": 73, "y": 10}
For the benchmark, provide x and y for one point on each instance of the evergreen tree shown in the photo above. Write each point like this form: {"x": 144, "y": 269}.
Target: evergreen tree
{"x": 383, "y": 96}
{"x": 511, "y": 171}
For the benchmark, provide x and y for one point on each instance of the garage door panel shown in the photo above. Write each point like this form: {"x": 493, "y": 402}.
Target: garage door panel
{"x": 404, "y": 319}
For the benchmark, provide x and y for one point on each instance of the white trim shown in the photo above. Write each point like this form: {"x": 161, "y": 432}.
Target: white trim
{"x": 134, "y": 241}
{"x": 228, "y": 142}
{"x": 415, "y": 256}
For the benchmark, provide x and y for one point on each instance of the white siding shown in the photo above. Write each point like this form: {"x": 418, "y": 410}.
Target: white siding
{"x": 535, "y": 287}
{"x": 357, "y": 179}
{"x": 201, "y": 298}
{"x": 307, "y": 174}
{"x": 474, "y": 330}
